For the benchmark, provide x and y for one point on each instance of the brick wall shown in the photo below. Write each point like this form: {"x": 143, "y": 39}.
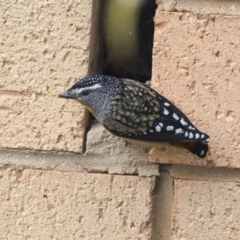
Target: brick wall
{"x": 50, "y": 190}
{"x": 196, "y": 65}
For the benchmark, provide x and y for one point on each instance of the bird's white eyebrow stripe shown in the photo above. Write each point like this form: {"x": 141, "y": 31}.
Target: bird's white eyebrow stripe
{"x": 79, "y": 90}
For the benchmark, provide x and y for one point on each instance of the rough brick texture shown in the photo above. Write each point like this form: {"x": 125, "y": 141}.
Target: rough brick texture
{"x": 55, "y": 205}
{"x": 44, "y": 48}
{"x": 196, "y": 65}
{"x": 206, "y": 210}
{"x": 117, "y": 155}
{"x": 204, "y": 6}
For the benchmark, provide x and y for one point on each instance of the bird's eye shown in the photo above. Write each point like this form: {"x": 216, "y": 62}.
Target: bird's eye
{"x": 85, "y": 92}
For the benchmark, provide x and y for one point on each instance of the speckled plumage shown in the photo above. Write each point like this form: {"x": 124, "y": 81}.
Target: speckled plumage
{"x": 133, "y": 110}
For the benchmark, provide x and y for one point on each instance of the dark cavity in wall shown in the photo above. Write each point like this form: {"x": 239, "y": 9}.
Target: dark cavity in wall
{"x": 96, "y": 55}
{"x": 121, "y": 42}
{"x": 127, "y": 36}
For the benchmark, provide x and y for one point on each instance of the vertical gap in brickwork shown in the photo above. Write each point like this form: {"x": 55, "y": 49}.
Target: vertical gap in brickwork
{"x": 96, "y": 53}
{"x": 121, "y": 42}
{"x": 128, "y": 30}
{"x": 162, "y": 211}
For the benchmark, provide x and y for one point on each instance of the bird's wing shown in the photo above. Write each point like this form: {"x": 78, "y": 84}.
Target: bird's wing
{"x": 166, "y": 123}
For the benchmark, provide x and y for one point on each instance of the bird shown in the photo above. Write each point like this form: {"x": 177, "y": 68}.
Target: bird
{"x": 136, "y": 112}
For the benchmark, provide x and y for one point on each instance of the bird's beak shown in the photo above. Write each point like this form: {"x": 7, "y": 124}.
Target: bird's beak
{"x": 66, "y": 94}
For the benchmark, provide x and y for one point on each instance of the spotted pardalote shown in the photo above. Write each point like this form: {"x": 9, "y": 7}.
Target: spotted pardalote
{"x": 134, "y": 111}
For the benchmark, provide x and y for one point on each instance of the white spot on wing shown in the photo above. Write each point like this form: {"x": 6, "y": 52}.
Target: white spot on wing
{"x": 175, "y": 116}
{"x": 167, "y": 104}
{"x": 190, "y": 127}
{"x": 190, "y": 135}
{"x": 169, "y": 128}
{"x": 202, "y": 136}
{"x": 197, "y": 135}
{"x": 158, "y": 128}
{"x": 179, "y": 130}
{"x": 207, "y": 140}
{"x": 161, "y": 124}
{"x": 186, "y": 134}
{"x": 183, "y": 122}
{"x": 165, "y": 111}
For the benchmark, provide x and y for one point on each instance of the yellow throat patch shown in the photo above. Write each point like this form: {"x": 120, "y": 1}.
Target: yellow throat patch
{"x": 89, "y": 109}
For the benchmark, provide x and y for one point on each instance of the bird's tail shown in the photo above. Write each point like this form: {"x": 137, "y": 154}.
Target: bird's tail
{"x": 197, "y": 148}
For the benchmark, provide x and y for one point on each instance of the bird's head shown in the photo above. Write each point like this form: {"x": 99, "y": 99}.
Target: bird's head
{"x": 94, "y": 92}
